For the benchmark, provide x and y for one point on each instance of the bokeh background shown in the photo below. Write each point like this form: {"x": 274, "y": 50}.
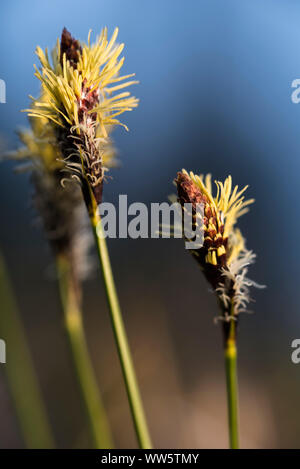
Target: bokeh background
{"x": 215, "y": 96}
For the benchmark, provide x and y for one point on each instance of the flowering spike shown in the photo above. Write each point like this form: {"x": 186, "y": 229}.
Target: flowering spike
{"x": 61, "y": 211}
{"x": 223, "y": 257}
{"x": 77, "y": 102}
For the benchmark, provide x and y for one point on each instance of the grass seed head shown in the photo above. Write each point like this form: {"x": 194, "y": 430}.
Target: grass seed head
{"x": 223, "y": 258}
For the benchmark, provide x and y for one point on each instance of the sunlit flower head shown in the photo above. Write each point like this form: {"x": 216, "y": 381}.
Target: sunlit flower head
{"x": 80, "y": 82}
{"x": 78, "y": 99}
{"x": 223, "y": 257}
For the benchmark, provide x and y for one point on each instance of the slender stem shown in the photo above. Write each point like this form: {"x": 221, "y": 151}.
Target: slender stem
{"x": 20, "y": 372}
{"x": 95, "y": 411}
{"x": 133, "y": 393}
{"x": 230, "y": 351}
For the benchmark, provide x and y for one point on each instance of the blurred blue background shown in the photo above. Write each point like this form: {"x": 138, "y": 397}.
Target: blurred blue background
{"x": 215, "y": 96}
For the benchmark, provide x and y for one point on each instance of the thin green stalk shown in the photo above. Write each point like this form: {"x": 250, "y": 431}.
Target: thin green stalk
{"x": 22, "y": 379}
{"x": 230, "y": 351}
{"x": 133, "y": 393}
{"x": 96, "y": 415}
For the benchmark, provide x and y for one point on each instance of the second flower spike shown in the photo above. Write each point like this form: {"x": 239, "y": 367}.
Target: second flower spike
{"x": 223, "y": 257}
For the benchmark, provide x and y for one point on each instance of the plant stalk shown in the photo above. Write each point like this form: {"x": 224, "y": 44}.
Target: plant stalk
{"x": 95, "y": 412}
{"x": 19, "y": 368}
{"x": 230, "y": 351}
{"x": 127, "y": 366}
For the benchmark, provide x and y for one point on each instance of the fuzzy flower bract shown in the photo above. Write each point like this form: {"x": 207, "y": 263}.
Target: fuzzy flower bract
{"x": 61, "y": 211}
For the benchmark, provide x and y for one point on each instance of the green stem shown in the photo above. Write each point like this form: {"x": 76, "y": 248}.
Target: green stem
{"x": 95, "y": 411}
{"x": 230, "y": 351}
{"x": 20, "y": 372}
{"x": 132, "y": 389}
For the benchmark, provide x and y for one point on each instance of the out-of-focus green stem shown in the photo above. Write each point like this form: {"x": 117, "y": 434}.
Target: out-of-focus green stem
{"x": 20, "y": 371}
{"x": 96, "y": 415}
{"x": 230, "y": 351}
{"x": 127, "y": 366}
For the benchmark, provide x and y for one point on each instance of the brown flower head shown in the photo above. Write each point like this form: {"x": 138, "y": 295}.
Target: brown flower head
{"x": 223, "y": 257}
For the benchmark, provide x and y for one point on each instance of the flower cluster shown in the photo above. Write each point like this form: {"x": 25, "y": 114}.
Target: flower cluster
{"x": 223, "y": 257}
{"x": 78, "y": 102}
{"x": 61, "y": 211}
